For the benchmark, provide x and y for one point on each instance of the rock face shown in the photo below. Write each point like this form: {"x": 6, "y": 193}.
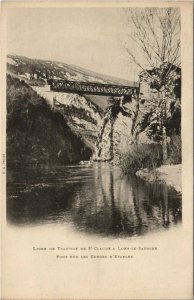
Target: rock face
{"x": 159, "y": 104}
{"x": 144, "y": 117}
{"x": 82, "y": 116}
{"x": 115, "y": 134}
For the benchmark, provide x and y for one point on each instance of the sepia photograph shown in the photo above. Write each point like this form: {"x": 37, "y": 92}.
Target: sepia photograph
{"x": 94, "y": 123}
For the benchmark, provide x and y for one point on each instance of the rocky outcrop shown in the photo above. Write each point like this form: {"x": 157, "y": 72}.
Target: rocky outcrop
{"x": 115, "y": 134}
{"x": 159, "y": 104}
{"x": 144, "y": 117}
{"x": 82, "y": 116}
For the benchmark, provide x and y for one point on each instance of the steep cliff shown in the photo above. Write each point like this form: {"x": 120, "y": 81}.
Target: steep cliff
{"x": 115, "y": 134}
{"x": 82, "y": 116}
{"x": 143, "y": 118}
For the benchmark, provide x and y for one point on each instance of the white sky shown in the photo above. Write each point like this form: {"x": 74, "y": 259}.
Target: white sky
{"x": 92, "y": 38}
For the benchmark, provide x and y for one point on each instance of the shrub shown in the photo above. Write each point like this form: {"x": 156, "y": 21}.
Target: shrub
{"x": 142, "y": 156}
{"x": 174, "y": 150}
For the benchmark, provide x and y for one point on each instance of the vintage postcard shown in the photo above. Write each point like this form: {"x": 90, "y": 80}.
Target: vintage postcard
{"x": 96, "y": 150}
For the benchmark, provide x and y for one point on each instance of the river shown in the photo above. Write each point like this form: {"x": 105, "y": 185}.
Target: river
{"x": 97, "y": 201}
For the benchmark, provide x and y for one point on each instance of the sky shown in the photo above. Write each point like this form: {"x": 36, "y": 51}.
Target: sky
{"x": 93, "y": 38}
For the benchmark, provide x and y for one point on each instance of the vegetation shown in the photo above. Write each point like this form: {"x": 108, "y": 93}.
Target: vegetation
{"x": 37, "y": 135}
{"x": 142, "y": 156}
{"x": 150, "y": 156}
{"x": 174, "y": 150}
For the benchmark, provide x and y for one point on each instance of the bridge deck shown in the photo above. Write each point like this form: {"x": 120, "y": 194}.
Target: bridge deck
{"x": 92, "y": 88}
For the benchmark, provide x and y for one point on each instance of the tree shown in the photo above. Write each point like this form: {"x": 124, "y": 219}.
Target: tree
{"x": 155, "y": 32}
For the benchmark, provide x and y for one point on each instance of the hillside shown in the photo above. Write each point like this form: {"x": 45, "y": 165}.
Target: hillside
{"x": 36, "y": 71}
{"x": 36, "y": 134}
{"x": 82, "y": 114}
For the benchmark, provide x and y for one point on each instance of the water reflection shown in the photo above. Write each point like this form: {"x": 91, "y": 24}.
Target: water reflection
{"x": 98, "y": 200}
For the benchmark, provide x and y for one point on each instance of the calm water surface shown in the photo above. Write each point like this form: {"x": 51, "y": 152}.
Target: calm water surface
{"x": 98, "y": 200}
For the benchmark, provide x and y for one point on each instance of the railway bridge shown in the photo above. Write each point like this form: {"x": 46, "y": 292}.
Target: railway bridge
{"x": 93, "y": 88}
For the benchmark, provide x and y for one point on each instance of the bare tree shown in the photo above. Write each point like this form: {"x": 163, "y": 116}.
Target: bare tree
{"x": 155, "y": 32}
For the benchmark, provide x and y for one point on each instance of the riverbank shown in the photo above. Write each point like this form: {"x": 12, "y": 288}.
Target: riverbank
{"x": 170, "y": 174}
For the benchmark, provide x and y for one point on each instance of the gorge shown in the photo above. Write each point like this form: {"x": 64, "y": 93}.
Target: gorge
{"x": 49, "y": 133}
